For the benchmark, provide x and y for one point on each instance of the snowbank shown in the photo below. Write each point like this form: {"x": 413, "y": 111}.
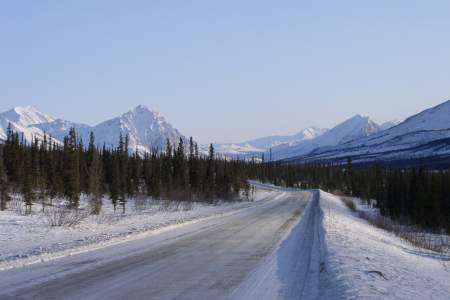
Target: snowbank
{"x": 331, "y": 253}
{"x": 370, "y": 263}
{"x": 293, "y": 270}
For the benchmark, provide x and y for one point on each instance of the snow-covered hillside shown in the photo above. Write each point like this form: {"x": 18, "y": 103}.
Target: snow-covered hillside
{"x": 147, "y": 129}
{"x": 365, "y": 262}
{"x": 353, "y": 128}
{"x": 389, "y": 124}
{"x": 22, "y": 120}
{"x": 261, "y": 145}
{"x": 60, "y": 128}
{"x": 424, "y": 136}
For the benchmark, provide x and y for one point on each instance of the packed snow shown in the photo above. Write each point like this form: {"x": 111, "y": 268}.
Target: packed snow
{"x": 25, "y": 239}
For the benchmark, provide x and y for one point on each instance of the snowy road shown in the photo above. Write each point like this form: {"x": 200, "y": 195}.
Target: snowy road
{"x": 209, "y": 259}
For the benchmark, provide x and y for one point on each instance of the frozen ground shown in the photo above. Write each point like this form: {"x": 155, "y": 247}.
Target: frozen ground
{"x": 28, "y": 239}
{"x": 207, "y": 259}
{"x": 289, "y": 245}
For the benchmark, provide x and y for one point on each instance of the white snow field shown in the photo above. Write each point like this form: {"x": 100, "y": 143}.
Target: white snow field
{"x": 289, "y": 245}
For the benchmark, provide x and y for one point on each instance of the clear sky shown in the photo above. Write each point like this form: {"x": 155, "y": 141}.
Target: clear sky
{"x": 226, "y": 70}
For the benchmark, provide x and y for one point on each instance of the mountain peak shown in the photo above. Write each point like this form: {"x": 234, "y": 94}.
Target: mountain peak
{"x": 147, "y": 129}
{"x": 143, "y": 109}
{"x": 358, "y": 118}
{"x": 310, "y": 132}
{"x": 25, "y": 116}
{"x": 25, "y": 109}
{"x": 435, "y": 118}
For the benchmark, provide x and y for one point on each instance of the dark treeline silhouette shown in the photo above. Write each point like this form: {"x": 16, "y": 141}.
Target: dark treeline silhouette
{"x": 416, "y": 196}
{"x": 46, "y": 170}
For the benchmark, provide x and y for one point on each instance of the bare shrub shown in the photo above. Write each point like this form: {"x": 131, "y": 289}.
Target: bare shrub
{"x": 348, "y": 201}
{"x": 174, "y": 206}
{"x": 62, "y": 216}
{"x": 140, "y": 202}
{"x": 438, "y": 243}
{"x": 18, "y": 206}
{"x": 187, "y": 205}
{"x": 108, "y": 218}
{"x": 166, "y": 205}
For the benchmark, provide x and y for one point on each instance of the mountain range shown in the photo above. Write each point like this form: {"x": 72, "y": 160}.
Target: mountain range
{"x": 283, "y": 147}
{"x": 261, "y": 145}
{"x": 423, "y": 138}
{"x": 147, "y": 130}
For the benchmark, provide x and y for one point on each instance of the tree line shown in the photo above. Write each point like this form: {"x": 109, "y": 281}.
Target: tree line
{"x": 45, "y": 170}
{"x": 417, "y": 196}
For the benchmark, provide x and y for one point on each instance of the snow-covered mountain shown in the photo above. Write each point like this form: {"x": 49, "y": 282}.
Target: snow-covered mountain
{"x": 59, "y": 128}
{"x": 353, "y": 128}
{"x": 389, "y": 124}
{"x": 146, "y": 129}
{"x": 23, "y": 120}
{"x": 423, "y": 137}
{"x": 261, "y": 145}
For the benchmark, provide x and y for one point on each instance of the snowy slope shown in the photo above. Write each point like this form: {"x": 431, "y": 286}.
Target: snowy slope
{"x": 353, "y": 128}
{"x": 60, "y": 128}
{"x": 147, "y": 129}
{"x": 22, "y": 120}
{"x": 235, "y": 150}
{"x": 261, "y": 145}
{"x": 272, "y": 141}
{"x": 425, "y": 135}
{"x": 364, "y": 262}
{"x": 389, "y": 124}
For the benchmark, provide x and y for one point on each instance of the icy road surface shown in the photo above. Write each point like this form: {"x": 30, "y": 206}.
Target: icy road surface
{"x": 216, "y": 258}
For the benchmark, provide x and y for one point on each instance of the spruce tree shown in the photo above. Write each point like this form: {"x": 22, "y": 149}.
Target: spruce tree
{"x": 4, "y": 185}
{"x": 95, "y": 177}
{"x": 210, "y": 181}
{"x": 73, "y": 169}
{"x": 27, "y": 183}
{"x": 193, "y": 166}
{"x": 114, "y": 187}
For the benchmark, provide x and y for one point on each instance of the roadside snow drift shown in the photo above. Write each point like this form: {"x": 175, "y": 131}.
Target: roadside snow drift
{"x": 370, "y": 263}
{"x": 293, "y": 270}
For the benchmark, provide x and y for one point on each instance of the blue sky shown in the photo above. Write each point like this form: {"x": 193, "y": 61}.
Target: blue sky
{"x": 226, "y": 70}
